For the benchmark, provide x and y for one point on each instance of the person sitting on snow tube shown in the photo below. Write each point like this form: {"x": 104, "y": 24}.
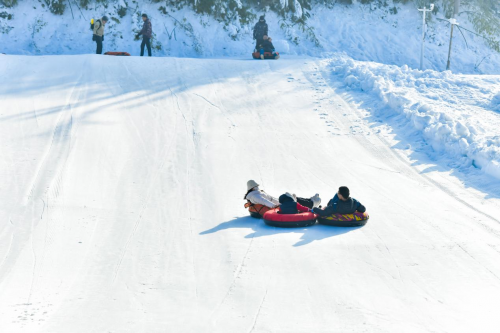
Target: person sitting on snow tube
{"x": 290, "y": 204}
{"x": 341, "y": 203}
{"x": 291, "y": 213}
{"x": 258, "y": 201}
{"x": 267, "y": 46}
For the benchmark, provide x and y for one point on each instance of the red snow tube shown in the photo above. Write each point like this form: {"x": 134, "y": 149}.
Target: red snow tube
{"x": 267, "y": 55}
{"x": 345, "y": 220}
{"x": 118, "y": 54}
{"x": 300, "y": 220}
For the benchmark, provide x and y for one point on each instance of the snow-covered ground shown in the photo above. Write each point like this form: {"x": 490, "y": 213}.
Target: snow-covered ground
{"x": 388, "y": 33}
{"x": 122, "y": 184}
{"x": 444, "y": 115}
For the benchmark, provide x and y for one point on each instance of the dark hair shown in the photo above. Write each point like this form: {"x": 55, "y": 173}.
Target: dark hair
{"x": 105, "y": 18}
{"x": 145, "y": 15}
{"x": 344, "y": 191}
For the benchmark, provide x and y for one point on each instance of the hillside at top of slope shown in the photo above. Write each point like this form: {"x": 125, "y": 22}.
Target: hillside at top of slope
{"x": 387, "y": 34}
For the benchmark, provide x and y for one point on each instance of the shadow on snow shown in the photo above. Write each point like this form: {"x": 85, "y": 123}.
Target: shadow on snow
{"x": 316, "y": 232}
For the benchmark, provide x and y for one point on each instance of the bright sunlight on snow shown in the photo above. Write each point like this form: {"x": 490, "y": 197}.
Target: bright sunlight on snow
{"x": 123, "y": 179}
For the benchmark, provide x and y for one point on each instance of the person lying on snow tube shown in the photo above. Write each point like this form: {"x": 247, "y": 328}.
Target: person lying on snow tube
{"x": 290, "y": 204}
{"x": 268, "y": 47}
{"x": 258, "y": 201}
{"x": 341, "y": 204}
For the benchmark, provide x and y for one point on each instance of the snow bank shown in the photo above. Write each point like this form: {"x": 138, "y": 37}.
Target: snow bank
{"x": 456, "y": 115}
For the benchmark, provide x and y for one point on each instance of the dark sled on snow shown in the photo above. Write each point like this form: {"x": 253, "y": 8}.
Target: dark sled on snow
{"x": 119, "y": 54}
{"x": 255, "y": 215}
{"x": 267, "y": 55}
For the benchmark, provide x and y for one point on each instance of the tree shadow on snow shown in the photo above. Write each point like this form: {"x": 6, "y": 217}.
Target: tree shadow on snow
{"x": 120, "y": 86}
{"x": 260, "y": 229}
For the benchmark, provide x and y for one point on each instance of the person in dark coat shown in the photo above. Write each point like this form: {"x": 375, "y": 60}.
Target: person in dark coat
{"x": 267, "y": 46}
{"x": 341, "y": 203}
{"x": 259, "y": 31}
{"x": 291, "y": 204}
{"x": 147, "y": 33}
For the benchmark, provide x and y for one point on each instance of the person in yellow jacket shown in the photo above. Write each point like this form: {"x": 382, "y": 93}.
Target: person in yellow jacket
{"x": 99, "y": 33}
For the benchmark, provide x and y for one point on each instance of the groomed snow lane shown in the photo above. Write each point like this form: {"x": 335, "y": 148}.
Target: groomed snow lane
{"x": 121, "y": 206}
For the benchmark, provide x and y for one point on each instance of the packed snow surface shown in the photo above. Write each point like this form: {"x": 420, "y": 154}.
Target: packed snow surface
{"x": 121, "y": 204}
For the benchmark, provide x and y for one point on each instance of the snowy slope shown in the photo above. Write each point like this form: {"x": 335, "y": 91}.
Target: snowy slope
{"x": 121, "y": 205}
{"x": 389, "y": 34}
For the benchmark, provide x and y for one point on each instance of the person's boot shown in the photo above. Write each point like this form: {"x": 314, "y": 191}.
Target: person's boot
{"x": 316, "y": 200}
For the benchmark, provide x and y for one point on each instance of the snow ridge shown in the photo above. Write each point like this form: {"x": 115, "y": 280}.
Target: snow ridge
{"x": 456, "y": 115}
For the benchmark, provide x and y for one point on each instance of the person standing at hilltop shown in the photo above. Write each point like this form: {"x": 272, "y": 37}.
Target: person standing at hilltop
{"x": 259, "y": 31}
{"x": 147, "y": 33}
{"x": 98, "y": 32}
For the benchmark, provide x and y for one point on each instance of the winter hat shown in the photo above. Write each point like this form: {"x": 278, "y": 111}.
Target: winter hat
{"x": 262, "y": 18}
{"x": 145, "y": 15}
{"x": 105, "y": 18}
{"x": 344, "y": 190}
{"x": 284, "y": 198}
{"x": 293, "y": 196}
{"x": 251, "y": 184}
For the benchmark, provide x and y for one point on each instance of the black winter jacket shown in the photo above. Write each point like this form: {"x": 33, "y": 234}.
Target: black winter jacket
{"x": 267, "y": 46}
{"x": 260, "y": 30}
{"x": 147, "y": 29}
{"x": 287, "y": 205}
{"x": 337, "y": 206}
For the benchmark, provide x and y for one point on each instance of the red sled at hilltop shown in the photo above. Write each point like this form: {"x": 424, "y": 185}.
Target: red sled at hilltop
{"x": 118, "y": 54}
{"x": 267, "y": 55}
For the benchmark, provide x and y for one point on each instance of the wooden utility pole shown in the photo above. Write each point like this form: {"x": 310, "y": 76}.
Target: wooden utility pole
{"x": 424, "y": 10}
{"x": 453, "y": 22}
